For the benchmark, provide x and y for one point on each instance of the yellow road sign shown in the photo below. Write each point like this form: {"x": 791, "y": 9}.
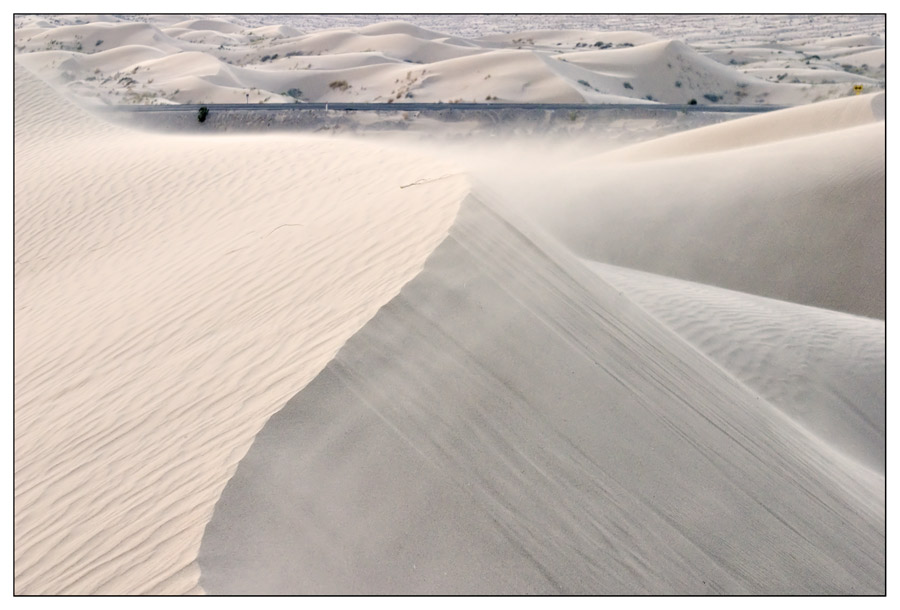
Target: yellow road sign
{"x": 858, "y": 89}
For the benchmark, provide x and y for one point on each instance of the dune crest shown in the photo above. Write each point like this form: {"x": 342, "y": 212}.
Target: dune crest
{"x": 214, "y": 276}
{"x": 437, "y": 454}
{"x": 625, "y": 349}
{"x": 788, "y": 205}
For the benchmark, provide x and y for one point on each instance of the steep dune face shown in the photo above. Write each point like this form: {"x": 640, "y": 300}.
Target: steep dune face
{"x": 423, "y": 386}
{"x": 511, "y": 424}
{"x": 170, "y": 294}
{"x": 823, "y": 369}
{"x": 796, "y": 215}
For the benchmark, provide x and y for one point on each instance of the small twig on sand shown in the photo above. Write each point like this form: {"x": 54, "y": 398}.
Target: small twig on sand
{"x": 279, "y": 226}
{"x": 426, "y": 180}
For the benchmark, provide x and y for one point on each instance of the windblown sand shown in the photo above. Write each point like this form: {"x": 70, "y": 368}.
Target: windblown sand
{"x": 282, "y": 363}
{"x": 171, "y": 294}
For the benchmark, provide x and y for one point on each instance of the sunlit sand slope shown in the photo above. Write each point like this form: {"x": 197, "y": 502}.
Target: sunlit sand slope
{"x": 170, "y": 294}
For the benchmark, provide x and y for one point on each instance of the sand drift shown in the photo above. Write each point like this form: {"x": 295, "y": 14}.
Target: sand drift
{"x": 635, "y": 351}
{"x": 510, "y": 423}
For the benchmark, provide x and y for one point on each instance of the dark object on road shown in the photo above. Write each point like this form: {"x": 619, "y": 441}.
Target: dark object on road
{"x": 201, "y": 116}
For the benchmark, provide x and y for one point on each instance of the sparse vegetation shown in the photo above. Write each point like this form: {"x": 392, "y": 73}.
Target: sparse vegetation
{"x": 627, "y": 85}
{"x": 339, "y": 84}
{"x": 693, "y": 102}
{"x": 712, "y": 97}
{"x": 678, "y": 84}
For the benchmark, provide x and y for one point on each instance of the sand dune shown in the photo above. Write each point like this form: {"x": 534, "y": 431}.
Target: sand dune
{"x": 546, "y": 65}
{"x": 796, "y": 214}
{"x": 824, "y": 369}
{"x": 768, "y": 128}
{"x": 171, "y": 294}
{"x": 670, "y": 71}
{"x": 214, "y": 25}
{"x": 509, "y": 425}
{"x": 568, "y": 38}
{"x": 448, "y": 359}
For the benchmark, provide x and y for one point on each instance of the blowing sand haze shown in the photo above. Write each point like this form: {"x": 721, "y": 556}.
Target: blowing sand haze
{"x": 422, "y": 351}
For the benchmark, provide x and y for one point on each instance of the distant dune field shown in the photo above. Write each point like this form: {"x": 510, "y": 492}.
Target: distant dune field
{"x": 437, "y": 360}
{"x": 221, "y": 60}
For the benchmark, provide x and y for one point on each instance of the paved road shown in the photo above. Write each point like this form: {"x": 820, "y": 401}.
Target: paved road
{"x": 444, "y": 106}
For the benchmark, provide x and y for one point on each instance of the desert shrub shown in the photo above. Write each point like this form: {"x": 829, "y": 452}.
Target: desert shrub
{"x": 693, "y": 102}
{"x": 585, "y": 83}
{"x": 711, "y": 97}
{"x": 294, "y": 92}
{"x": 627, "y": 85}
{"x": 339, "y": 84}
{"x": 201, "y": 114}
{"x": 678, "y": 84}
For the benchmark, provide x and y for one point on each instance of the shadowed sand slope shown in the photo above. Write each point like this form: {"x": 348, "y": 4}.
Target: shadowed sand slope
{"x": 509, "y": 423}
{"x": 823, "y": 368}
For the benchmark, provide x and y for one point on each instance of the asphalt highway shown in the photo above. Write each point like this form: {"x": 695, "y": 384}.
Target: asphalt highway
{"x": 418, "y": 106}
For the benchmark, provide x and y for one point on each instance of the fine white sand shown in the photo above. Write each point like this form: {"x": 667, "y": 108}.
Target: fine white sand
{"x": 171, "y": 293}
{"x": 281, "y": 363}
{"x": 824, "y": 369}
{"x": 510, "y": 424}
{"x": 789, "y": 205}
{"x": 219, "y": 60}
